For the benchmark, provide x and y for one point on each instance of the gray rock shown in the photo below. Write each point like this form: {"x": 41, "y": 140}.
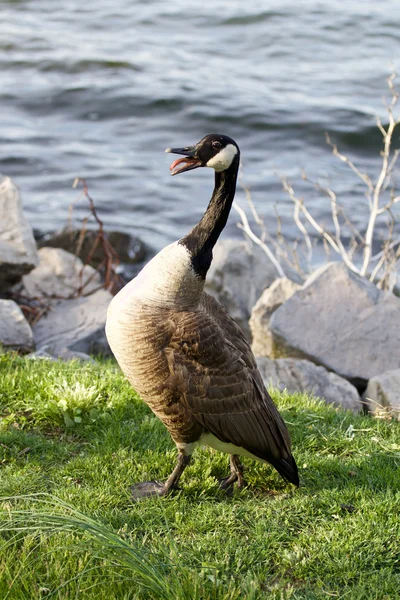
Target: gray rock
{"x": 238, "y": 274}
{"x": 15, "y": 331}
{"x": 18, "y": 253}
{"x": 271, "y": 299}
{"x": 57, "y": 275}
{"x": 342, "y": 321}
{"x": 76, "y": 324}
{"x": 383, "y": 390}
{"x": 304, "y": 376}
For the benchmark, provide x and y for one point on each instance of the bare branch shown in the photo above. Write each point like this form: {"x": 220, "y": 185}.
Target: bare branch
{"x": 390, "y": 247}
{"x": 380, "y": 126}
{"x": 363, "y": 176}
{"x": 250, "y": 202}
{"x": 338, "y": 248}
{"x": 375, "y": 209}
{"x": 246, "y": 228}
{"x": 111, "y": 259}
{"x": 297, "y": 220}
{"x": 335, "y": 219}
{"x": 393, "y": 161}
{"x": 387, "y": 260}
{"x": 389, "y": 205}
{"x": 356, "y": 234}
{"x": 378, "y": 266}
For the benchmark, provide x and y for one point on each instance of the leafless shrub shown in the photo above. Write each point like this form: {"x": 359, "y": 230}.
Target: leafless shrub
{"x": 356, "y": 254}
{"x": 110, "y": 263}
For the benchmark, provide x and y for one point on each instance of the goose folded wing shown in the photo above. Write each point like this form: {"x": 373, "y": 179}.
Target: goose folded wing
{"x": 217, "y": 380}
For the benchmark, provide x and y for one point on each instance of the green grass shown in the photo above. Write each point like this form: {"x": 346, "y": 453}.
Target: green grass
{"x": 74, "y": 437}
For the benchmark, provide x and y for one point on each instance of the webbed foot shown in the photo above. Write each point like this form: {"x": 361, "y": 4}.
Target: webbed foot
{"x": 146, "y": 489}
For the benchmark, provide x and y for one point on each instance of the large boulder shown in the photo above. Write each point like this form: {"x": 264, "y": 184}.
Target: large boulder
{"x": 304, "y": 376}
{"x": 76, "y": 324}
{"x": 342, "y": 321}
{"x": 18, "y": 253}
{"x": 15, "y": 331}
{"x": 58, "y": 275}
{"x": 238, "y": 274}
{"x": 383, "y": 390}
{"x": 271, "y": 299}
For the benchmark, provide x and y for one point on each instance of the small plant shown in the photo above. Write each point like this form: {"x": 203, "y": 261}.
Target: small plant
{"x": 75, "y": 402}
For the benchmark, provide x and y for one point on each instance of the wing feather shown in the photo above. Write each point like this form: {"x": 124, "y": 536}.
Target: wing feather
{"x": 219, "y": 384}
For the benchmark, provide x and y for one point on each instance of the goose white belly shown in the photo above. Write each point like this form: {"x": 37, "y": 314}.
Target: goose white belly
{"x": 208, "y": 439}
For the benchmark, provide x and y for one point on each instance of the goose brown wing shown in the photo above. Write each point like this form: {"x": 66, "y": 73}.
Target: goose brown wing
{"x": 217, "y": 380}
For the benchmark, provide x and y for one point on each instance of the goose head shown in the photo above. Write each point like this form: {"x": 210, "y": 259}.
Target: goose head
{"x": 219, "y": 152}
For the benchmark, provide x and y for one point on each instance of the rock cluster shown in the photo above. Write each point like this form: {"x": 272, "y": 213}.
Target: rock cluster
{"x": 71, "y": 295}
{"x": 341, "y": 321}
{"x": 335, "y": 336}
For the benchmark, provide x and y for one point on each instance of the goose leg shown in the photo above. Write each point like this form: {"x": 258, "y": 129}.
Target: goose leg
{"x": 236, "y": 475}
{"x": 156, "y": 488}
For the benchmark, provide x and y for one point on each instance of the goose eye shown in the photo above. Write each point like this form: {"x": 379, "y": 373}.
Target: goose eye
{"x": 216, "y": 145}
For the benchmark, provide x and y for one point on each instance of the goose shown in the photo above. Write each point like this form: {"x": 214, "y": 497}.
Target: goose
{"x": 183, "y": 353}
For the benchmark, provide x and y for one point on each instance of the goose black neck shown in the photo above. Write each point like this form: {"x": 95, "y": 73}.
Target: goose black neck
{"x": 201, "y": 240}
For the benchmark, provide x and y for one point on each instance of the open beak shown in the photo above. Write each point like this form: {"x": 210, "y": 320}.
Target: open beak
{"x": 187, "y": 163}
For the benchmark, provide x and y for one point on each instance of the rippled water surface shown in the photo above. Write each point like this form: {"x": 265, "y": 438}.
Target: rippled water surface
{"x": 98, "y": 89}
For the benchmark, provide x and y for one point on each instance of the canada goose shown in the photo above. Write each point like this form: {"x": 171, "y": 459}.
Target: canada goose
{"x": 184, "y": 354}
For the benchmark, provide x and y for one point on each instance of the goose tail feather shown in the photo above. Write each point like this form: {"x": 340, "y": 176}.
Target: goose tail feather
{"x": 287, "y": 468}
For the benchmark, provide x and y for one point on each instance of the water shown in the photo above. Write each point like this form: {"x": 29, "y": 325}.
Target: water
{"x": 98, "y": 89}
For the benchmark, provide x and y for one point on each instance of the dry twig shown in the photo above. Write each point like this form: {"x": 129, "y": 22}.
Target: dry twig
{"x": 112, "y": 280}
{"x": 244, "y": 225}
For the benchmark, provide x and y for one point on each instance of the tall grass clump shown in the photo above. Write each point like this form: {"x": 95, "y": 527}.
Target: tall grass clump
{"x": 104, "y": 556}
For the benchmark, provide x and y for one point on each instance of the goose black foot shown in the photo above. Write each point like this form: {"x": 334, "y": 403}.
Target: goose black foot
{"x": 236, "y": 475}
{"x": 146, "y": 489}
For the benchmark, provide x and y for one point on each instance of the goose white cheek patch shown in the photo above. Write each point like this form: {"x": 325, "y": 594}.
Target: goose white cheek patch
{"x": 224, "y": 158}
